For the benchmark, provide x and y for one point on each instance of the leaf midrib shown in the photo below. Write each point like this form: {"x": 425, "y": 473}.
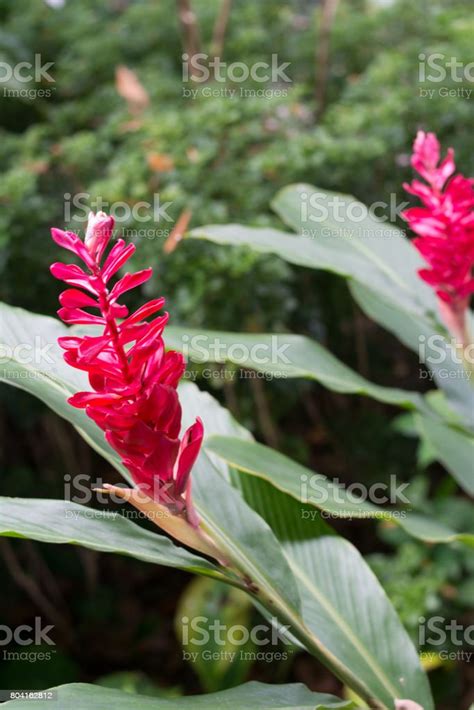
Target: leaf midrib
{"x": 345, "y": 628}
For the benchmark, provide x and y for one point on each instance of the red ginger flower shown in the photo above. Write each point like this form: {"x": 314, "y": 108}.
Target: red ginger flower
{"x": 133, "y": 380}
{"x": 445, "y": 228}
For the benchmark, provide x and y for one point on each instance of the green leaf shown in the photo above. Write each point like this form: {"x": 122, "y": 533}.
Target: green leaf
{"x": 368, "y": 251}
{"x": 380, "y": 263}
{"x": 289, "y": 476}
{"x": 350, "y": 616}
{"x": 32, "y": 361}
{"x": 337, "y": 627}
{"x": 454, "y": 448}
{"x": 388, "y": 287}
{"x": 421, "y": 333}
{"x": 220, "y": 661}
{"x": 301, "y": 252}
{"x": 285, "y": 355}
{"x": 59, "y": 522}
{"x": 294, "y": 696}
{"x": 43, "y": 373}
{"x": 245, "y": 536}
{"x": 136, "y": 682}
{"x": 248, "y": 539}
{"x": 376, "y": 252}
{"x": 430, "y": 530}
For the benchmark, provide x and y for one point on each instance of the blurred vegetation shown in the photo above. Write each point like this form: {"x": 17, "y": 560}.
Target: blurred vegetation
{"x": 224, "y": 159}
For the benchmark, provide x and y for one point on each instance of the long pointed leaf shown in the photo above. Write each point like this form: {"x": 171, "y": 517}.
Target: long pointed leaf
{"x": 371, "y": 671}
{"x": 285, "y": 355}
{"x": 299, "y": 482}
{"x": 260, "y": 696}
{"x": 58, "y": 521}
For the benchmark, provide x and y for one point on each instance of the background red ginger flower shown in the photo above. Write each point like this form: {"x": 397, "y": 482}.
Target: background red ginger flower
{"x": 133, "y": 380}
{"x": 445, "y": 229}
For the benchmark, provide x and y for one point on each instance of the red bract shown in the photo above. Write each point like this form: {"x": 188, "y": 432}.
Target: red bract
{"x": 445, "y": 228}
{"x": 133, "y": 380}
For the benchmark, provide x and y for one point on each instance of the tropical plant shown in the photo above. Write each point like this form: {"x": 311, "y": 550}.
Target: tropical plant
{"x": 249, "y": 521}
